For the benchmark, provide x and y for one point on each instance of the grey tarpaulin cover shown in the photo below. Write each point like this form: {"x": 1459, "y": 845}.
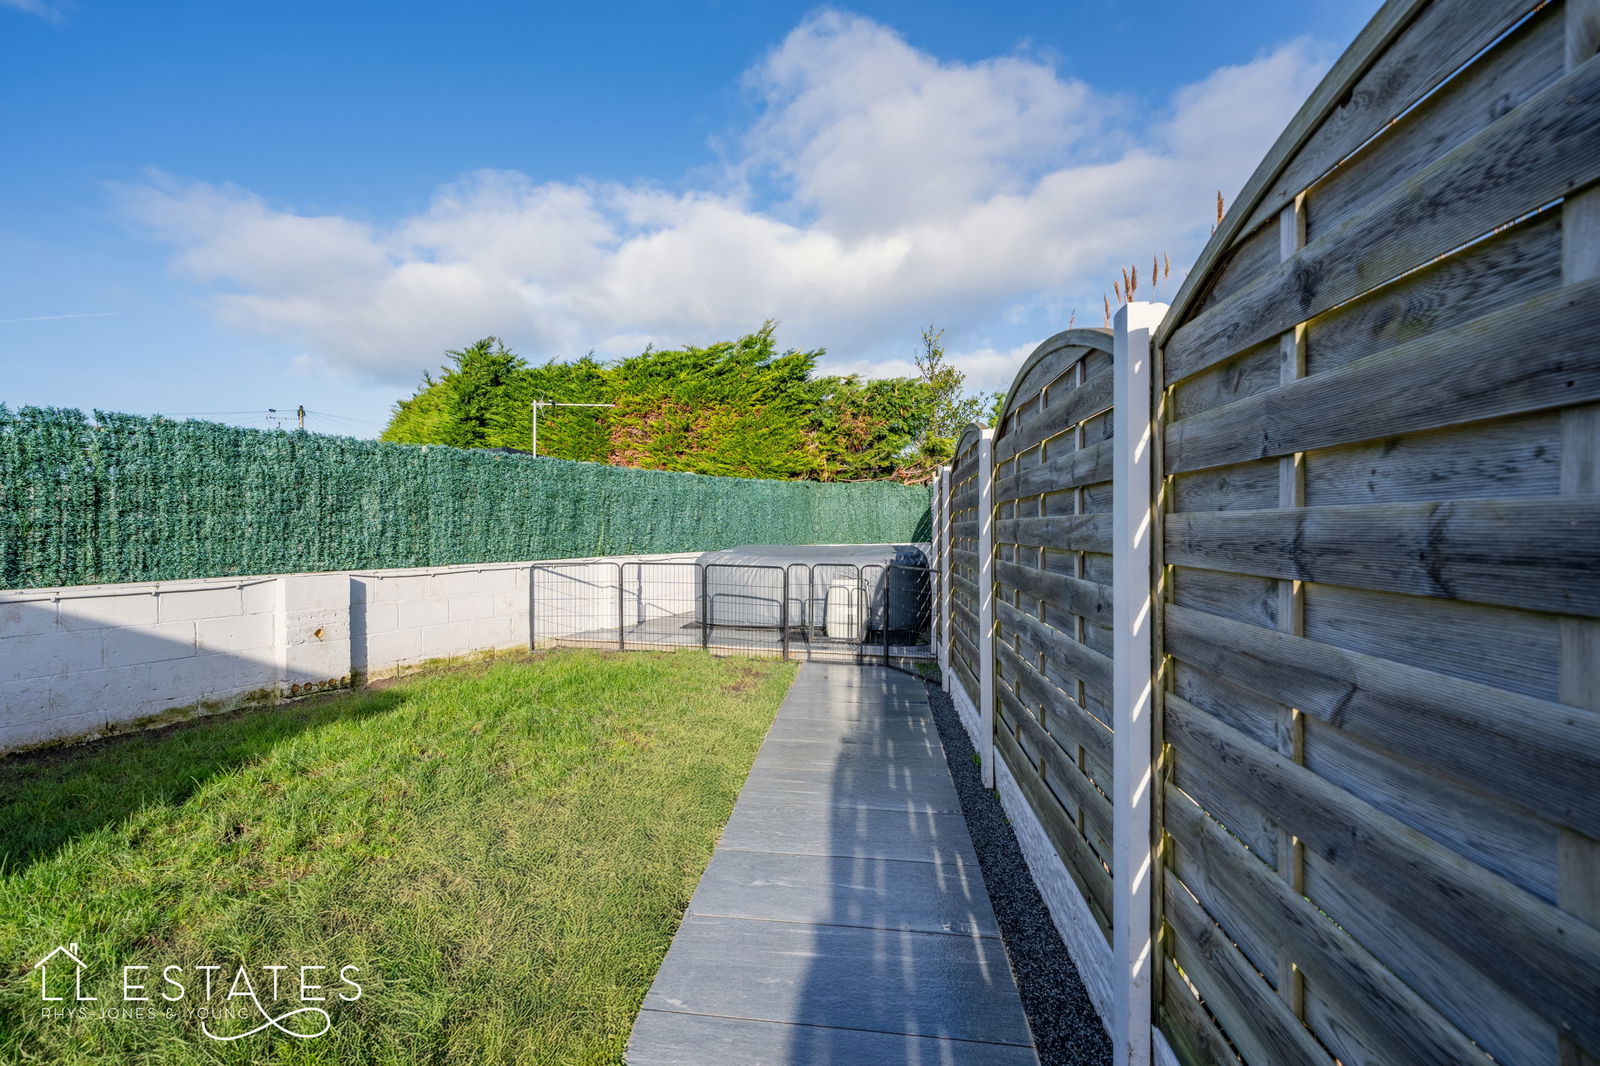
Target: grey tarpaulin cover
{"x": 744, "y": 585}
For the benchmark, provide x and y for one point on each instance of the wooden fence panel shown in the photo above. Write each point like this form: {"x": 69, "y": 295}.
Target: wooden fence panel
{"x": 1380, "y": 557}
{"x": 963, "y": 547}
{"x": 1052, "y": 467}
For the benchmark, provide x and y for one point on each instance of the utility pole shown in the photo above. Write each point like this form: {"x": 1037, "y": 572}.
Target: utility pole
{"x": 302, "y": 413}
{"x": 534, "y": 433}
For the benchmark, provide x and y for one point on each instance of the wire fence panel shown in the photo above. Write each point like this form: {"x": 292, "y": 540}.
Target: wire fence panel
{"x": 576, "y": 604}
{"x": 747, "y": 610}
{"x": 830, "y": 612}
{"x": 658, "y": 606}
{"x": 907, "y": 635}
{"x": 839, "y": 610}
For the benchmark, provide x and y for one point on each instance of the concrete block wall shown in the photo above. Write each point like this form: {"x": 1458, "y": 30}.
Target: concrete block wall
{"x": 85, "y": 661}
{"x": 402, "y": 618}
{"x": 81, "y": 661}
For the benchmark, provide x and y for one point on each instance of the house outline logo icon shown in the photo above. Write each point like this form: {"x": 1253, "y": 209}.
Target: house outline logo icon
{"x": 71, "y": 952}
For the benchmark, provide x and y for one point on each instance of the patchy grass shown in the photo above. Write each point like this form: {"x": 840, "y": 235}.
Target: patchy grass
{"x": 503, "y": 852}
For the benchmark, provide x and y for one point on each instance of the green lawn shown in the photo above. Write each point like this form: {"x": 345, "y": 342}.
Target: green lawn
{"x": 504, "y": 852}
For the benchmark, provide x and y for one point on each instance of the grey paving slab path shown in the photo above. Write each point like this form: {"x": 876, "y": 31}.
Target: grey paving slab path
{"x": 843, "y": 920}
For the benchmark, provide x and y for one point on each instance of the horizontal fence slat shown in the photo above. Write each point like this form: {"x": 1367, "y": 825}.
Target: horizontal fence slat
{"x": 1535, "y": 952}
{"x": 1244, "y": 261}
{"x": 1254, "y": 1016}
{"x": 1077, "y": 658}
{"x": 1516, "y": 69}
{"x": 1061, "y": 770}
{"x": 1430, "y": 967}
{"x": 1499, "y": 836}
{"x": 1081, "y": 727}
{"x": 1238, "y": 888}
{"x": 1087, "y": 400}
{"x": 1065, "y": 532}
{"x": 1516, "y": 264}
{"x": 1066, "y": 470}
{"x": 1188, "y": 1028}
{"x": 1046, "y": 370}
{"x": 1518, "y": 456}
{"x": 1537, "y": 754}
{"x": 962, "y": 638}
{"x": 1440, "y": 39}
{"x": 1466, "y": 373}
{"x": 968, "y": 680}
{"x": 1543, "y": 150}
{"x": 1091, "y": 878}
{"x": 1538, "y": 553}
{"x": 1263, "y": 188}
{"x": 1063, "y": 666}
{"x": 1086, "y": 598}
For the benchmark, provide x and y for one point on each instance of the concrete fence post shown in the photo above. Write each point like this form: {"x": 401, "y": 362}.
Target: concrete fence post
{"x": 942, "y": 604}
{"x": 986, "y": 602}
{"x": 936, "y": 506}
{"x": 1132, "y": 689}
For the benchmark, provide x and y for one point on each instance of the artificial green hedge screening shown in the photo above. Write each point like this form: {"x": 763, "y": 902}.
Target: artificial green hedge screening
{"x": 129, "y": 498}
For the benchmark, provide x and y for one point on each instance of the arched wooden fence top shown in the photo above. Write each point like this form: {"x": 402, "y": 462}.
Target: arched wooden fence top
{"x": 965, "y": 445}
{"x": 1052, "y": 642}
{"x": 1406, "y": 50}
{"x": 1376, "y": 671}
{"x": 1045, "y": 363}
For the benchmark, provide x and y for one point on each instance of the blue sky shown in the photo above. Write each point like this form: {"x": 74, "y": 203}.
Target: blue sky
{"x": 269, "y": 204}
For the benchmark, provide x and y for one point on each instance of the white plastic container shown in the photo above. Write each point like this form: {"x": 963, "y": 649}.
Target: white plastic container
{"x": 846, "y": 614}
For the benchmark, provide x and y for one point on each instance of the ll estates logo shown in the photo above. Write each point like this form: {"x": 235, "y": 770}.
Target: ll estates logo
{"x": 229, "y": 1003}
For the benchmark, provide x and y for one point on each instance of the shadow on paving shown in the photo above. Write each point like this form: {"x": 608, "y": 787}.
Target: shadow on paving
{"x": 843, "y": 918}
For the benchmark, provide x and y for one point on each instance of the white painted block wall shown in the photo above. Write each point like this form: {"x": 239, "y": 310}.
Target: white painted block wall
{"x": 402, "y": 618}
{"x": 90, "y": 660}
{"x": 78, "y": 661}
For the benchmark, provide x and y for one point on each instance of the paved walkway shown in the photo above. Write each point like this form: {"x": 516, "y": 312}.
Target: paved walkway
{"x": 843, "y": 919}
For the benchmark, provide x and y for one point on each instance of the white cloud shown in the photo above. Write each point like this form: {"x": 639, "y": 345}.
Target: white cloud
{"x": 45, "y": 9}
{"x": 992, "y": 198}
{"x": 870, "y": 133}
{"x": 988, "y": 369}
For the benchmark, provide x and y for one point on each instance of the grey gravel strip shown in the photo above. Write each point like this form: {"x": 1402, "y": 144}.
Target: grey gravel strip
{"x": 1066, "y": 1030}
